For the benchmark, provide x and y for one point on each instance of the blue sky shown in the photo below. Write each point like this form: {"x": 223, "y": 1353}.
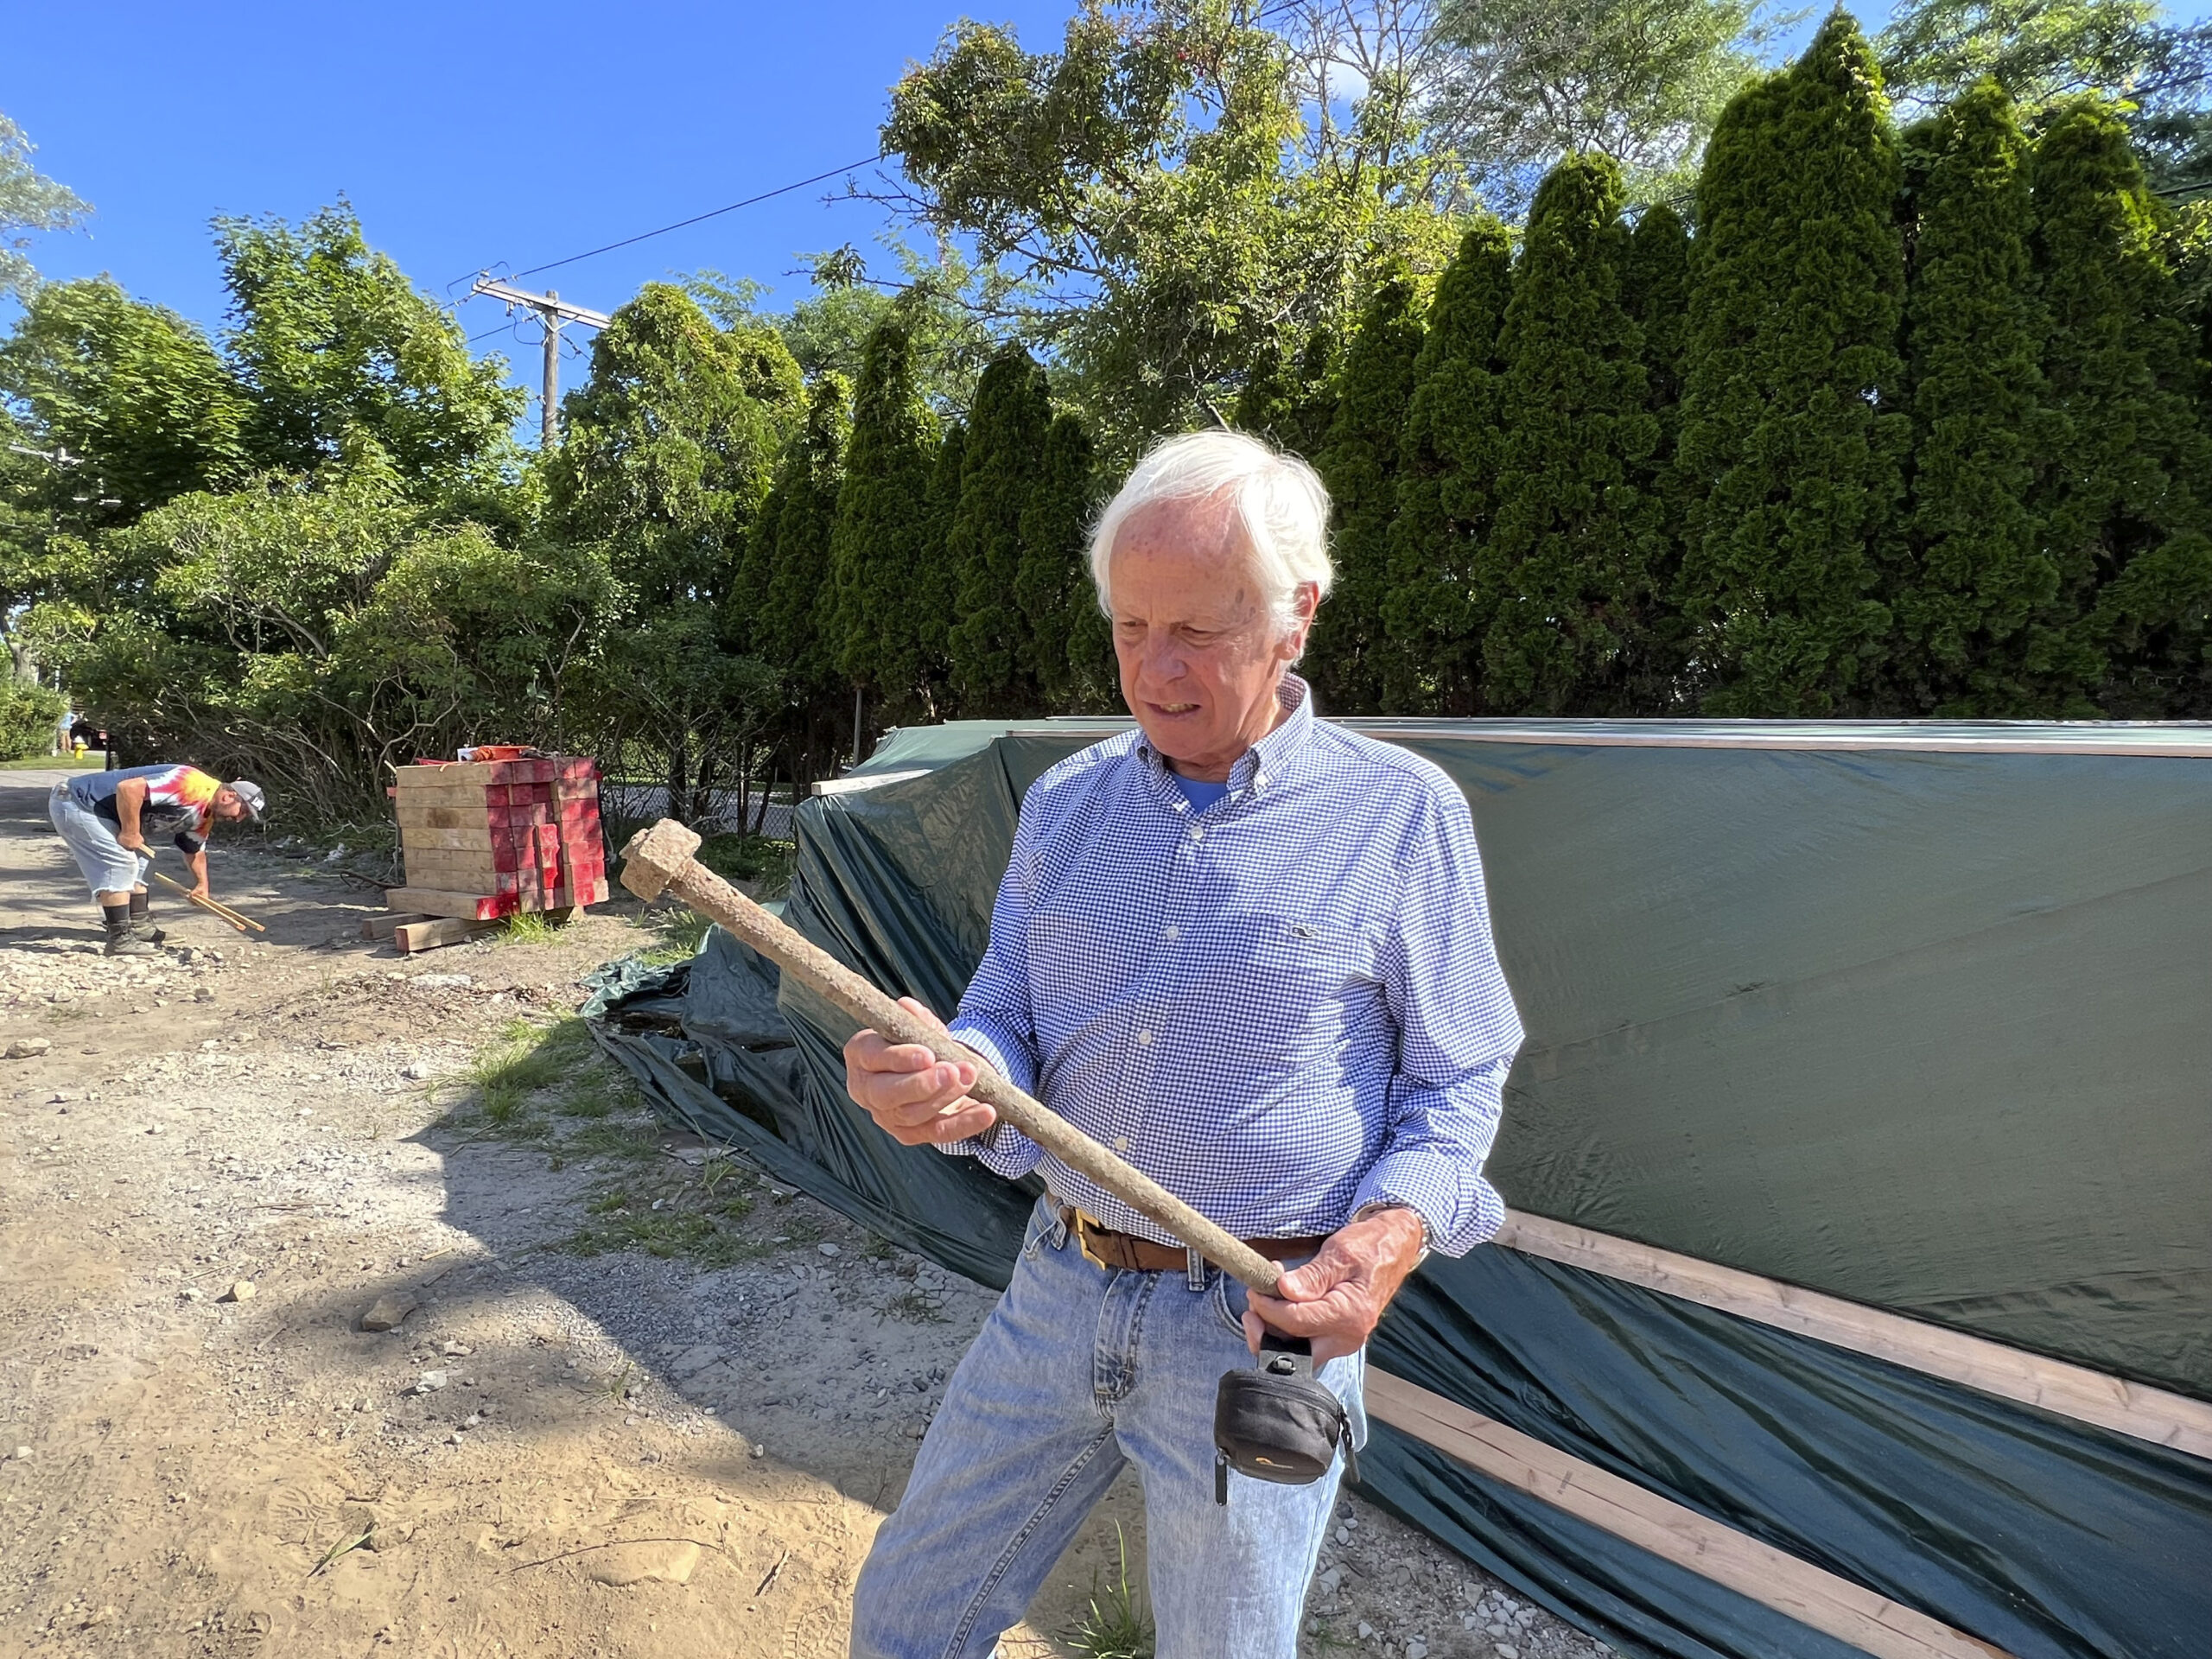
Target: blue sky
{"x": 465, "y": 135}
{"x": 471, "y": 136}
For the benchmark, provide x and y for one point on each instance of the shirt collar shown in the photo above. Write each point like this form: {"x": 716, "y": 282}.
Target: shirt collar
{"x": 1268, "y": 760}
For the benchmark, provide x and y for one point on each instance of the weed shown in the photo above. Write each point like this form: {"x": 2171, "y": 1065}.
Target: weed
{"x": 355, "y": 1536}
{"x": 914, "y": 1306}
{"x": 526, "y": 927}
{"x": 613, "y": 1202}
{"x": 681, "y": 932}
{"x": 878, "y": 1248}
{"x": 1116, "y": 1625}
{"x": 618, "y": 1384}
{"x": 715, "y": 1172}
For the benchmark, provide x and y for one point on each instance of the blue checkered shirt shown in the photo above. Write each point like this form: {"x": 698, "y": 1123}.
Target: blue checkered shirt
{"x": 1283, "y": 1009}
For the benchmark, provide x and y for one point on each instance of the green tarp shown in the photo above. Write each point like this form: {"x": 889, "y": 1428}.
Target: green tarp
{"x": 1927, "y": 1028}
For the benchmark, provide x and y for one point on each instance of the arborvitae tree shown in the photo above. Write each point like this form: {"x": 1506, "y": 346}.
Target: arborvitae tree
{"x": 1436, "y": 611}
{"x": 1792, "y": 438}
{"x": 1655, "y": 285}
{"x": 1359, "y": 463}
{"x": 869, "y": 616}
{"x": 1291, "y": 399}
{"x": 1971, "y": 610}
{"x": 790, "y": 558}
{"x": 1053, "y": 585}
{"x": 775, "y": 610}
{"x": 2124, "y": 506}
{"x": 994, "y": 661}
{"x": 1572, "y": 537}
{"x": 936, "y": 584}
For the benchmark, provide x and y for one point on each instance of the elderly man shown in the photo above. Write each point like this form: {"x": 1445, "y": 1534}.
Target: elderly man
{"x": 105, "y": 819}
{"x": 1251, "y": 953}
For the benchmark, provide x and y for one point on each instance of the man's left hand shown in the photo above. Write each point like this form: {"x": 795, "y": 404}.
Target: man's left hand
{"x": 1335, "y": 1300}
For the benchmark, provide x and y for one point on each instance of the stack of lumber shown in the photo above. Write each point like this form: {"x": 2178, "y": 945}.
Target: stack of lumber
{"x": 487, "y": 840}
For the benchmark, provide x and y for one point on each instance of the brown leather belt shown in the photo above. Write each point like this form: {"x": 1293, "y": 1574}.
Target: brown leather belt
{"x": 1108, "y": 1249}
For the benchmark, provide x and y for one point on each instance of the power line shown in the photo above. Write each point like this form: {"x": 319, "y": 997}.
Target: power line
{"x": 643, "y": 236}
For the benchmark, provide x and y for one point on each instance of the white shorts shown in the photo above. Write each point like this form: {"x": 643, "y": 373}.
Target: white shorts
{"x": 109, "y": 866}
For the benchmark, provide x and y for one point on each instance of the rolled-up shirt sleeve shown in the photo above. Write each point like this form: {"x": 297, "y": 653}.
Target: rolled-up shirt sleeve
{"x": 995, "y": 1021}
{"x": 1457, "y": 1034}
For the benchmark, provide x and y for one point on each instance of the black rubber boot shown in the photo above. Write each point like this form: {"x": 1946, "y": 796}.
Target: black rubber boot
{"x": 144, "y": 922}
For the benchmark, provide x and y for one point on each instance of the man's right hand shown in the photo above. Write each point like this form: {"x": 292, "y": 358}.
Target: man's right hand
{"x": 916, "y": 1098}
{"x": 130, "y": 841}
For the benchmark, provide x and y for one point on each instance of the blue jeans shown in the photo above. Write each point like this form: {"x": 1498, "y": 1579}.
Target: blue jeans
{"x": 1079, "y": 1370}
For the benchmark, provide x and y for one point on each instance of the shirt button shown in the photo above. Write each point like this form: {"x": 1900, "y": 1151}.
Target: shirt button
{"x": 1144, "y": 1039}
{"x": 1170, "y": 932}
{"x": 1121, "y": 1143}
{"x": 1197, "y": 833}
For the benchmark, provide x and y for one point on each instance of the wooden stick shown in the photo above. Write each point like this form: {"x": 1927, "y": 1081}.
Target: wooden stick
{"x": 241, "y": 923}
{"x": 659, "y": 860}
{"x": 2075, "y": 1391}
{"x": 1811, "y": 1595}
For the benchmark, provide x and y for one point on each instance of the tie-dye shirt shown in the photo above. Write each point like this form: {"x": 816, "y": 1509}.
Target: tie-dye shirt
{"x": 179, "y": 801}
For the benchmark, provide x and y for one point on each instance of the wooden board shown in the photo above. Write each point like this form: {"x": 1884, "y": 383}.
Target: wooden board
{"x": 442, "y": 817}
{"x": 428, "y": 934}
{"x": 450, "y": 774}
{"x": 380, "y": 927}
{"x": 455, "y": 872}
{"x": 2131, "y": 1408}
{"x": 437, "y": 795}
{"x": 1811, "y": 1595}
{"x": 431, "y": 901}
{"x": 443, "y": 839}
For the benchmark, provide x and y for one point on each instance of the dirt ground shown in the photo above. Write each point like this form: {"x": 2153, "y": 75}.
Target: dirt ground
{"x": 646, "y": 1402}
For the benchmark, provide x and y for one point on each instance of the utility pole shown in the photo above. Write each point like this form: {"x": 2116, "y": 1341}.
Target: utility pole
{"x": 552, "y": 311}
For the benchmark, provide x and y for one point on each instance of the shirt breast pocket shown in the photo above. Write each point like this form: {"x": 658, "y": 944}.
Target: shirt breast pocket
{"x": 1296, "y": 981}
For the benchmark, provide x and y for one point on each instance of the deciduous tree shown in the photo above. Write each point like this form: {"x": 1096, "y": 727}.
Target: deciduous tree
{"x": 330, "y": 337}
{"x": 29, "y": 202}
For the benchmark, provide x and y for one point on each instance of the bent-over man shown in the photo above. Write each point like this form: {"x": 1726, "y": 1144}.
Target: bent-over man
{"x": 105, "y": 818}
{"x": 1250, "y": 953}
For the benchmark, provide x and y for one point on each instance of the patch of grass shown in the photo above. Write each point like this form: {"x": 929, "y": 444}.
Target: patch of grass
{"x": 526, "y": 927}
{"x": 639, "y": 1141}
{"x": 669, "y": 1232}
{"x": 94, "y": 758}
{"x": 524, "y": 1058}
{"x": 1115, "y": 1625}
{"x": 682, "y": 931}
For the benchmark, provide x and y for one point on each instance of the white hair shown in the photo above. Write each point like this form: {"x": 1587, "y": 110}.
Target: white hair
{"x": 1280, "y": 500}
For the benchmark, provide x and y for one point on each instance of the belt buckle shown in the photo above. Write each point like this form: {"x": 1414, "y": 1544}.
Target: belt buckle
{"x": 1082, "y": 1225}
